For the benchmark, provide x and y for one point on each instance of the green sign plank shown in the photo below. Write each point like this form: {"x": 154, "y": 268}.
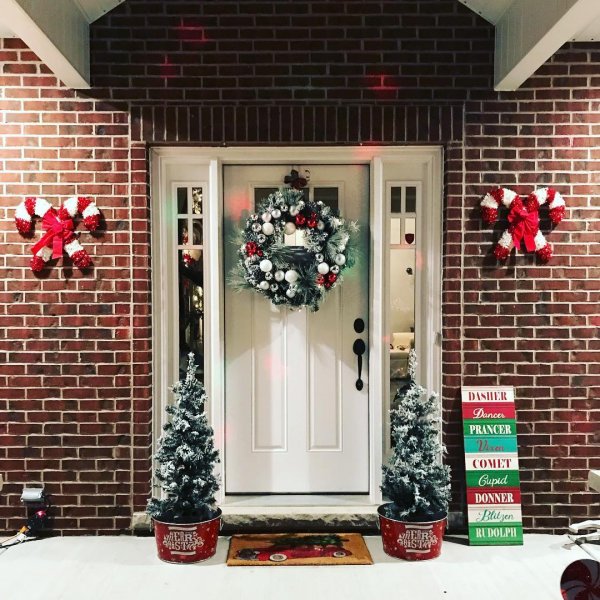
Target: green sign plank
{"x": 485, "y": 427}
{"x": 492, "y": 479}
{"x": 495, "y": 535}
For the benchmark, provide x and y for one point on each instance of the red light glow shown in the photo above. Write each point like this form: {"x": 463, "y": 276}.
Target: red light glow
{"x": 383, "y": 85}
{"x": 366, "y": 151}
{"x": 237, "y": 205}
{"x": 191, "y": 32}
{"x": 167, "y": 69}
{"x": 275, "y": 367}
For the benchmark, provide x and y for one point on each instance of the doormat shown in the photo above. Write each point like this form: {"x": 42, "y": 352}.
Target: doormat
{"x": 298, "y": 549}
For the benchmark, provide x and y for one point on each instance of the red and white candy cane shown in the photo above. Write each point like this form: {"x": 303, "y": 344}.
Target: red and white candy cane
{"x": 524, "y": 219}
{"x": 59, "y": 229}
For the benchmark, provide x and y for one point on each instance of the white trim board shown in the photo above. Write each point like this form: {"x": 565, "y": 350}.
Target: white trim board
{"x": 421, "y": 164}
{"x": 594, "y": 480}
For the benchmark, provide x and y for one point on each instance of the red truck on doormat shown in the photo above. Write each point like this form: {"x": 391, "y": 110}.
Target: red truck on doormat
{"x": 290, "y": 547}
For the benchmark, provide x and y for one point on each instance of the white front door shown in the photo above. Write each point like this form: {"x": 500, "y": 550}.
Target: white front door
{"x": 295, "y": 421}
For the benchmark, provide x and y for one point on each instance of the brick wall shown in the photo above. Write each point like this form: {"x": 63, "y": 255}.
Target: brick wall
{"x": 537, "y": 326}
{"x": 75, "y": 350}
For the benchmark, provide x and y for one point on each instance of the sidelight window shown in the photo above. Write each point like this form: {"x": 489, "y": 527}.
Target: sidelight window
{"x": 402, "y": 202}
{"x": 190, "y": 274}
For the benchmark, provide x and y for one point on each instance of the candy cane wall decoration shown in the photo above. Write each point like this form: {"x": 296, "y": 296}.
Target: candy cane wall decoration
{"x": 59, "y": 228}
{"x": 524, "y": 220}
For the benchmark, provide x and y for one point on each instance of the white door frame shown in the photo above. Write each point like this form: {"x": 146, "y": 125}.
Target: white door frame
{"x": 205, "y": 165}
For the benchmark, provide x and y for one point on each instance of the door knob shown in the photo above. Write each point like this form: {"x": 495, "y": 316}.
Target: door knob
{"x": 359, "y": 349}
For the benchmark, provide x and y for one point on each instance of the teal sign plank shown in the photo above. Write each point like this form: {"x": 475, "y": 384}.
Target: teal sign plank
{"x": 490, "y": 444}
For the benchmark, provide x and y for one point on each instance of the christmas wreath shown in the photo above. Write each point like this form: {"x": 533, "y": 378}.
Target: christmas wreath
{"x": 524, "y": 219}
{"x": 295, "y": 276}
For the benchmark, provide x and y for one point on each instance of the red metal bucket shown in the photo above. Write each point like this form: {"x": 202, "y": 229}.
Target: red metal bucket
{"x": 411, "y": 540}
{"x": 187, "y": 542}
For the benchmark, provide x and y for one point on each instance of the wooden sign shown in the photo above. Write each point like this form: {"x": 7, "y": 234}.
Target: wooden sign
{"x": 492, "y": 466}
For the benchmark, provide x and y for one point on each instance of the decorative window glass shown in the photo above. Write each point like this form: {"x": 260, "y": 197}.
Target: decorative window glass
{"x": 403, "y": 204}
{"x": 328, "y": 195}
{"x": 403, "y": 212}
{"x": 190, "y": 266}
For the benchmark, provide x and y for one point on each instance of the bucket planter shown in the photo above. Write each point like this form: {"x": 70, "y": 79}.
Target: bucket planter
{"x": 411, "y": 539}
{"x": 415, "y": 480}
{"x": 187, "y": 542}
{"x": 186, "y": 520}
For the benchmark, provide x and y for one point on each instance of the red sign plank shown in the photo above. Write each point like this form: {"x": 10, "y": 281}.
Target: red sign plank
{"x": 495, "y": 410}
{"x": 494, "y": 496}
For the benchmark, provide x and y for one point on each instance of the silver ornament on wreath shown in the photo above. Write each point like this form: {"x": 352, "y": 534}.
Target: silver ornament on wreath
{"x": 294, "y": 276}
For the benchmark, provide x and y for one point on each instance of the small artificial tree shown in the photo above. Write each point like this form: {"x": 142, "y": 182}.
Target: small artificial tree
{"x": 186, "y": 457}
{"x": 414, "y": 479}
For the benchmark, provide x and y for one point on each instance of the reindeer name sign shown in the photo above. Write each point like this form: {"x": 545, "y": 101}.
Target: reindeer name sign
{"x": 492, "y": 466}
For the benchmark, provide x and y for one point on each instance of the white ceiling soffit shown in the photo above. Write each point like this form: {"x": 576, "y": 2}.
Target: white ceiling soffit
{"x": 529, "y": 32}
{"x": 94, "y": 9}
{"x": 58, "y": 31}
{"x": 490, "y": 10}
{"x": 590, "y": 34}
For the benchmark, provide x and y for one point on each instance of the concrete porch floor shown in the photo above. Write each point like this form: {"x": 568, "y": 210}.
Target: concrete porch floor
{"x": 126, "y": 568}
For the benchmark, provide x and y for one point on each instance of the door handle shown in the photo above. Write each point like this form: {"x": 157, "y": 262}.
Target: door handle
{"x": 359, "y": 349}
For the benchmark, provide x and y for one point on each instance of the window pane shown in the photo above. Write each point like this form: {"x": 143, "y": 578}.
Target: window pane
{"x": 396, "y": 196}
{"x": 296, "y": 239}
{"x": 197, "y": 228}
{"x": 411, "y": 199}
{"x": 182, "y": 232}
{"x": 396, "y": 231}
{"x": 409, "y": 230}
{"x": 402, "y": 314}
{"x": 197, "y": 200}
{"x": 191, "y": 309}
{"x": 328, "y": 196}
{"x": 182, "y": 204}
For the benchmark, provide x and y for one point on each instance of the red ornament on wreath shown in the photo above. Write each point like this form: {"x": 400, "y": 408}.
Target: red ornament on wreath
{"x": 251, "y": 248}
{"x": 524, "y": 220}
{"x": 60, "y": 236}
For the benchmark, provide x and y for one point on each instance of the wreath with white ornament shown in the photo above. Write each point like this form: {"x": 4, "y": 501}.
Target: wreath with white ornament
{"x": 294, "y": 276}
{"x": 60, "y": 235}
{"x": 523, "y": 216}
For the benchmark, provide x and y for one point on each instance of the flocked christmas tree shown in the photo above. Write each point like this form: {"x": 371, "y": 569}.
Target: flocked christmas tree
{"x": 414, "y": 479}
{"x": 186, "y": 457}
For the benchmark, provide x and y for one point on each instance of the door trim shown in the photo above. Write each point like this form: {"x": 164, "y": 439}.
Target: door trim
{"x": 206, "y": 163}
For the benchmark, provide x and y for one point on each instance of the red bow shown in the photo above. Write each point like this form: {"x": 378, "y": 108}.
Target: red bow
{"x": 57, "y": 234}
{"x": 524, "y": 226}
